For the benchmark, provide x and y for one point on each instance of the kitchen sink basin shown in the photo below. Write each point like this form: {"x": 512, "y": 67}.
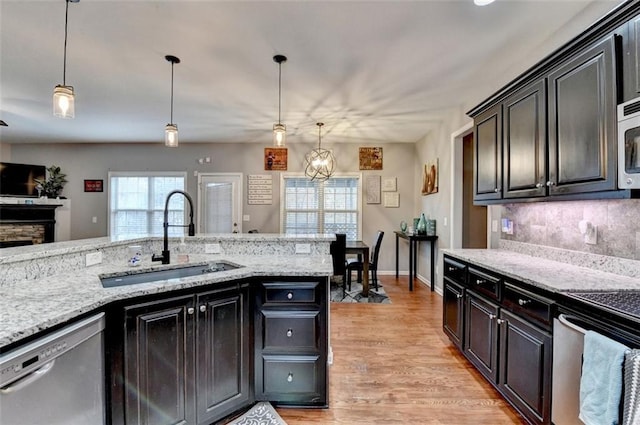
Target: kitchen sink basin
{"x": 151, "y": 275}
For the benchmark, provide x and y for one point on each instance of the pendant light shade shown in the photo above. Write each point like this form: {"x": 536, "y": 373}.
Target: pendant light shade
{"x": 63, "y": 96}
{"x": 279, "y": 129}
{"x": 171, "y": 129}
{"x": 320, "y": 162}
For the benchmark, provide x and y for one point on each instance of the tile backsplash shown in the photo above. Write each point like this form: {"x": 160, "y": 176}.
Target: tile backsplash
{"x": 555, "y": 224}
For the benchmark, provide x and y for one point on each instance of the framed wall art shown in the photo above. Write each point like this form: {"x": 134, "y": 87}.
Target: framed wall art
{"x": 390, "y": 184}
{"x": 430, "y": 178}
{"x": 372, "y": 189}
{"x": 275, "y": 159}
{"x": 370, "y": 158}
{"x": 391, "y": 200}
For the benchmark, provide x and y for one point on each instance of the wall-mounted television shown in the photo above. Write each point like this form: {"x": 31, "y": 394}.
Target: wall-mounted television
{"x": 19, "y": 179}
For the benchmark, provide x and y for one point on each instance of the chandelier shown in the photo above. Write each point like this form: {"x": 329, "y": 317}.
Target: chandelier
{"x": 320, "y": 162}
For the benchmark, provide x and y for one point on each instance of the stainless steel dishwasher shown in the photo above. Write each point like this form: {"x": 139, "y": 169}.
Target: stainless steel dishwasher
{"x": 57, "y": 379}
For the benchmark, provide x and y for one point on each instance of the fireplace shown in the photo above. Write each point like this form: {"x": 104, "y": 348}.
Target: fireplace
{"x": 26, "y": 224}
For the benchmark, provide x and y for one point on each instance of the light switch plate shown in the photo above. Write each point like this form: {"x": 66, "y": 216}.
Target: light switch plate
{"x": 93, "y": 258}
{"x": 212, "y": 248}
{"x": 303, "y": 248}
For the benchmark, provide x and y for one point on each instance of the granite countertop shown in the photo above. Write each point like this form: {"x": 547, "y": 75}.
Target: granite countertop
{"x": 30, "y": 306}
{"x": 543, "y": 273}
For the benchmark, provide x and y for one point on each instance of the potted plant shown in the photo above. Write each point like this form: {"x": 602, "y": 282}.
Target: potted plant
{"x": 52, "y": 186}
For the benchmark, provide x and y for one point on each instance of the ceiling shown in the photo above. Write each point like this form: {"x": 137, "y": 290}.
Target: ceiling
{"x": 372, "y": 71}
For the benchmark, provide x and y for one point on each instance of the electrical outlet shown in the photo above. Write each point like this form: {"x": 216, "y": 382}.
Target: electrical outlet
{"x": 303, "y": 248}
{"x": 93, "y": 258}
{"x": 212, "y": 248}
{"x": 330, "y": 356}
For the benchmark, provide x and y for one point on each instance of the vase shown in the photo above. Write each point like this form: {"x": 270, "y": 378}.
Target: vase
{"x": 421, "y": 228}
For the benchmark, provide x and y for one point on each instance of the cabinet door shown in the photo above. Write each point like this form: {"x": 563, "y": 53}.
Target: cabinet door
{"x": 525, "y": 367}
{"x": 488, "y": 155}
{"x": 481, "y": 335}
{"x": 631, "y": 58}
{"x": 525, "y": 142}
{"x": 158, "y": 366}
{"x": 453, "y": 312}
{"x": 582, "y": 122}
{"x": 222, "y": 353}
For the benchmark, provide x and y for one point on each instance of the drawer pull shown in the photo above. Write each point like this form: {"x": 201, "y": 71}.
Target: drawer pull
{"x": 481, "y": 281}
{"x": 290, "y": 377}
{"x": 523, "y": 302}
{"x": 458, "y": 296}
{"x": 451, "y": 269}
{"x": 191, "y": 310}
{"x": 290, "y": 295}
{"x": 289, "y": 333}
{"x": 492, "y": 316}
{"x": 501, "y": 321}
{"x": 203, "y": 308}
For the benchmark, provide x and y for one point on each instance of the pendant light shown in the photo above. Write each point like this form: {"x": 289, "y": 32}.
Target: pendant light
{"x": 171, "y": 130}
{"x": 279, "y": 129}
{"x": 63, "y": 96}
{"x": 320, "y": 162}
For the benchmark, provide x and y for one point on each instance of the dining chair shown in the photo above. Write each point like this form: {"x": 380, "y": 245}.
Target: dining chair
{"x": 355, "y": 265}
{"x": 338, "y": 250}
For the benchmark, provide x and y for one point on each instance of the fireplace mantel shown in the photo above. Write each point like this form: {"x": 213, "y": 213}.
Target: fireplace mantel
{"x": 27, "y": 216}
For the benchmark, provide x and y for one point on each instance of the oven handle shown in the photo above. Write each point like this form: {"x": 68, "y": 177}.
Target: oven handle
{"x": 28, "y": 379}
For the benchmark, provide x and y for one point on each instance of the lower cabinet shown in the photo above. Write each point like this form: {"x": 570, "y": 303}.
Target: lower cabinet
{"x": 506, "y": 336}
{"x": 291, "y": 327}
{"x": 186, "y": 359}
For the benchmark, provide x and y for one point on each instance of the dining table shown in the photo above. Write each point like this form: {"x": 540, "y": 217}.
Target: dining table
{"x": 361, "y": 249}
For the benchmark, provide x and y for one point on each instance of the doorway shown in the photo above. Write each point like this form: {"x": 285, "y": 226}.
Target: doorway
{"x": 474, "y": 217}
{"x": 220, "y": 202}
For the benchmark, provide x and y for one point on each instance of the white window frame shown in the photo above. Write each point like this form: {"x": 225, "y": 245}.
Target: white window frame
{"x": 284, "y": 176}
{"x": 111, "y": 174}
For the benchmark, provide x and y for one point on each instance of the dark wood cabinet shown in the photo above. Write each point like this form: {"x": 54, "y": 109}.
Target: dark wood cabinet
{"x": 186, "y": 359}
{"x": 481, "y": 335}
{"x": 291, "y": 326}
{"x": 506, "y": 334}
{"x": 525, "y": 366}
{"x": 582, "y": 122}
{"x": 487, "y": 182}
{"x": 525, "y": 142}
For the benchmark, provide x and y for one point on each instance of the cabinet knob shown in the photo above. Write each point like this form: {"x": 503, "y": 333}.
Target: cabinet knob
{"x": 290, "y": 377}
{"x": 523, "y": 302}
{"x": 492, "y": 316}
{"x": 501, "y": 321}
{"x": 496, "y": 190}
{"x": 290, "y": 295}
{"x": 480, "y": 281}
{"x": 451, "y": 269}
{"x": 539, "y": 185}
{"x": 203, "y": 308}
{"x": 550, "y": 183}
{"x": 458, "y": 296}
{"x": 289, "y": 333}
{"x": 190, "y": 310}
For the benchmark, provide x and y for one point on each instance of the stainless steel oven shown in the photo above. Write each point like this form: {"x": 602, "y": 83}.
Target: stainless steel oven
{"x": 629, "y": 144}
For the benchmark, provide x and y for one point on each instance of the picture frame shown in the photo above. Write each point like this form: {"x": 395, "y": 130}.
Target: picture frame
{"x": 370, "y": 158}
{"x": 275, "y": 159}
{"x": 94, "y": 185}
{"x": 430, "y": 178}
{"x": 390, "y": 184}
{"x": 391, "y": 200}
{"x": 372, "y": 189}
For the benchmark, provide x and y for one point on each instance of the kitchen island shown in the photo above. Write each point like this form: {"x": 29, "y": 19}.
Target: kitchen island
{"x": 227, "y": 324}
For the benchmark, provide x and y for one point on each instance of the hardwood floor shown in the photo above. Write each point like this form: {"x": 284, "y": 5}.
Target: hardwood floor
{"x": 394, "y": 365}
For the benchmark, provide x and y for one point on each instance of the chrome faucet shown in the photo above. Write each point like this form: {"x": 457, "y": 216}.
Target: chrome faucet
{"x": 166, "y": 256}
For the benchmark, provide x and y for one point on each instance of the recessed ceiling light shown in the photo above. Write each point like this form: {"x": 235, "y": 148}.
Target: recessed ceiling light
{"x": 482, "y": 2}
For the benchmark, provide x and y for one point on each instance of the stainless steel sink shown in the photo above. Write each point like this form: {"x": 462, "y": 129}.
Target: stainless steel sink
{"x": 145, "y": 276}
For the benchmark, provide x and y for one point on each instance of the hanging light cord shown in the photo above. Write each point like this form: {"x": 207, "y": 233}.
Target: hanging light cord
{"x": 64, "y": 65}
{"x": 279, "y": 88}
{"x": 171, "y": 92}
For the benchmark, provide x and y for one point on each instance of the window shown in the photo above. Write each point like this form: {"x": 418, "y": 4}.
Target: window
{"x": 136, "y": 203}
{"x": 332, "y": 206}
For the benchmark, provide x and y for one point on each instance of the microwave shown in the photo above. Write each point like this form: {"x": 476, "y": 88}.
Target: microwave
{"x": 629, "y": 144}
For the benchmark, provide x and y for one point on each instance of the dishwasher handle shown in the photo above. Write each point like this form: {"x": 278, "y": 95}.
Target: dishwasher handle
{"x": 27, "y": 379}
{"x": 566, "y": 321}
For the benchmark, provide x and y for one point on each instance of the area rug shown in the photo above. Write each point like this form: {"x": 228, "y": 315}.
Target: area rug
{"x": 261, "y": 413}
{"x": 355, "y": 294}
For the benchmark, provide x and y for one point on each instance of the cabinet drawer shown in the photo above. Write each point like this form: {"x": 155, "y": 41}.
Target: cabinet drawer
{"x": 455, "y": 271}
{"x": 531, "y": 305}
{"x": 290, "y": 374}
{"x": 485, "y": 283}
{"x": 290, "y": 292}
{"x": 291, "y": 330}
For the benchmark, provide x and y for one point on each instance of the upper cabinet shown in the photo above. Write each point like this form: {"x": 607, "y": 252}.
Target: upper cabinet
{"x": 582, "y": 122}
{"x": 551, "y": 134}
